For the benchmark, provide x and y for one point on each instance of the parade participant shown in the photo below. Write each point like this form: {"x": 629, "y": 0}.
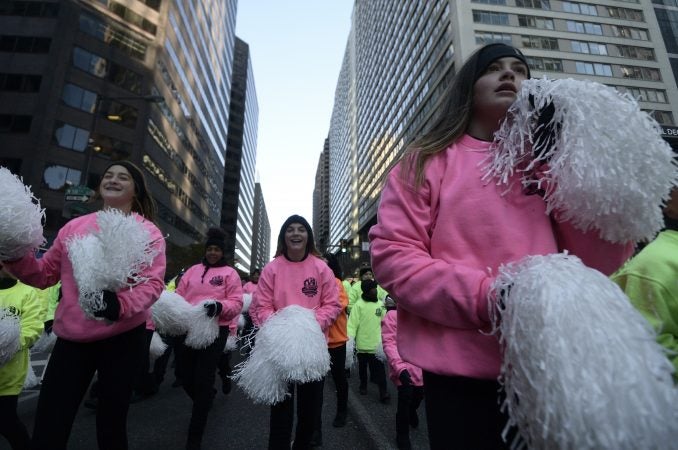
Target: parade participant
{"x": 296, "y": 276}
{"x": 405, "y": 376}
{"x": 443, "y": 232}
{"x": 22, "y": 301}
{"x": 356, "y": 292}
{"x": 251, "y": 284}
{"x": 211, "y": 279}
{"x": 364, "y": 327}
{"x": 111, "y": 346}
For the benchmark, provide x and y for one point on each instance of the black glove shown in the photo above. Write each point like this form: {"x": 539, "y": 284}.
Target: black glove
{"x": 545, "y": 132}
{"x": 405, "y": 378}
{"x": 213, "y": 309}
{"x": 111, "y": 309}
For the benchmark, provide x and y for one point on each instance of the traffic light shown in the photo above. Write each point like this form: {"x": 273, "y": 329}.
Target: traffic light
{"x": 344, "y": 245}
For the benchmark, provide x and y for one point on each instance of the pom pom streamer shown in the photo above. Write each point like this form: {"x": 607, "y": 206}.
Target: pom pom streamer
{"x": 157, "y": 348}
{"x": 231, "y": 343}
{"x": 45, "y": 343}
{"x": 581, "y": 368}
{"x": 10, "y": 336}
{"x": 241, "y": 322}
{"x": 246, "y": 301}
{"x": 290, "y": 347}
{"x": 171, "y": 314}
{"x": 379, "y": 353}
{"x": 22, "y": 218}
{"x": 350, "y": 353}
{"x": 608, "y": 167}
{"x": 202, "y": 330}
{"x": 31, "y": 379}
{"x": 112, "y": 258}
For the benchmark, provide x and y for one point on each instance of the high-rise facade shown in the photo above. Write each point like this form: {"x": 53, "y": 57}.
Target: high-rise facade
{"x": 400, "y": 56}
{"x": 237, "y": 206}
{"x": 261, "y": 236}
{"x": 85, "y": 83}
{"x": 321, "y": 200}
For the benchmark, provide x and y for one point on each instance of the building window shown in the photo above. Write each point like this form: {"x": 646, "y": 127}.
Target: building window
{"x": 540, "y": 42}
{"x": 16, "y": 82}
{"x": 24, "y": 44}
{"x": 490, "y": 2}
{"x": 625, "y": 14}
{"x": 483, "y": 38}
{"x": 545, "y": 64}
{"x": 29, "y": 9}
{"x": 629, "y": 33}
{"x": 79, "y": 98}
{"x": 589, "y": 48}
{"x": 536, "y": 4}
{"x": 100, "y": 67}
{"x": 603, "y": 70}
{"x": 580, "y": 8}
{"x": 641, "y": 73}
{"x": 68, "y": 136}
{"x": 58, "y": 178}
{"x": 628, "y": 51}
{"x": 645, "y": 94}
{"x": 490, "y": 18}
{"x": 110, "y": 148}
{"x": 662, "y": 117}
{"x": 584, "y": 27}
{"x": 535, "y": 22}
{"x": 113, "y": 35}
{"x": 131, "y": 17}
{"x": 15, "y": 123}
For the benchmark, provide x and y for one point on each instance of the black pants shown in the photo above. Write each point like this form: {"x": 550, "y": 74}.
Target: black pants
{"x": 68, "y": 374}
{"x": 11, "y": 428}
{"x": 282, "y": 417}
{"x": 409, "y": 399}
{"x": 145, "y": 382}
{"x": 196, "y": 369}
{"x": 160, "y": 365}
{"x": 338, "y": 371}
{"x": 224, "y": 365}
{"x": 463, "y": 413}
{"x": 377, "y": 371}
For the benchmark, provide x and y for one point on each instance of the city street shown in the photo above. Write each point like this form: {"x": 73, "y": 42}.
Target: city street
{"x": 161, "y": 421}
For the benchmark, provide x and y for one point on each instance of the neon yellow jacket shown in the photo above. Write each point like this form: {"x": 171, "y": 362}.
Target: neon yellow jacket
{"x": 24, "y": 301}
{"x": 364, "y": 325}
{"x": 650, "y": 280}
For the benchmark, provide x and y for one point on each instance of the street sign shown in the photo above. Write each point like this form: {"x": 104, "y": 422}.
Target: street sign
{"x": 78, "y": 194}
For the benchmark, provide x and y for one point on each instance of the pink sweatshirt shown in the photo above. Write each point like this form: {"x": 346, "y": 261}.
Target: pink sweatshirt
{"x": 389, "y": 333}
{"x": 249, "y": 287}
{"x": 309, "y": 283}
{"x": 218, "y": 283}
{"x": 69, "y": 320}
{"x": 437, "y": 250}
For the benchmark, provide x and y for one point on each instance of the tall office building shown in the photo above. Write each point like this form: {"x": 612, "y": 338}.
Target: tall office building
{"x": 261, "y": 236}
{"x": 400, "y": 56}
{"x": 237, "y": 206}
{"x": 321, "y": 200}
{"x": 84, "y": 83}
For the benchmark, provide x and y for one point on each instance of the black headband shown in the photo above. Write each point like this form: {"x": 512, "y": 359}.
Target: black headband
{"x": 492, "y": 52}
{"x": 135, "y": 173}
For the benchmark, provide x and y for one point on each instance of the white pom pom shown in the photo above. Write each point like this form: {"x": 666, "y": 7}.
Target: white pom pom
{"x": 10, "y": 336}
{"x": 31, "y": 379}
{"x": 379, "y": 353}
{"x": 259, "y": 379}
{"x": 171, "y": 314}
{"x": 350, "y": 353}
{"x": 298, "y": 345}
{"x": 231, "y": 343}
{"x": 246, "y": 300}
{"x": 609, "y": 168}
{"x": 241, "y": 322}
{"x": 45, "y": 343}
{"x": 202, "y": 330}
{"x": 111, "y": 258}
{"x": 22, "y": 217}
{"x": 157, "y": 347}
{"x": 581, "y": 366}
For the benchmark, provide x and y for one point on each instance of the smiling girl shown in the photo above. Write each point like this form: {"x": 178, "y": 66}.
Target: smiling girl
{"x": 111, "y": 347}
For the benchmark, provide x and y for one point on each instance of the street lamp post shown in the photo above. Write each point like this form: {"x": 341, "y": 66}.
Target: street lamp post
{"x": 95, "y": 113}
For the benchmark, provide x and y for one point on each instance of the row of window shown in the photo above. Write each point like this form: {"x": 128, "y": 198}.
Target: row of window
{"x": 102, "y": 68}
{"x": 17, "y": 82}
{"x": 29, "y": 9}
{"x": 15, "y": 123}
{"x": 586, "y": 9}
{"x": 599, "y": 69}
{"x": 24, "y": 44}
{"x": 113, "y": 35}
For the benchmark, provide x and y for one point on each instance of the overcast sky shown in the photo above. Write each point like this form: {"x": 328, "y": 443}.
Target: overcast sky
{"x": 296, "y": 48}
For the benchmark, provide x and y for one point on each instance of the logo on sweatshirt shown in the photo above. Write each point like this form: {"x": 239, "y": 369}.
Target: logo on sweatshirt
{"x": 217, "y": 281}
{"x": 310, "y": 288}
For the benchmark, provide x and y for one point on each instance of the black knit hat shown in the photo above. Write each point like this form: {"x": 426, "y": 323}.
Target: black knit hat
{"x": 217, "y": 237}
{"x": 492, "y": 52}
{"x": 295, "y": 218}
{"x": 364, "y": 270}
{"x": 368, "y": 285}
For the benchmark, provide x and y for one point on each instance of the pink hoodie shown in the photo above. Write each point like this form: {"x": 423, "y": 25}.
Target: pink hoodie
{"x": 309, "y": 283}
{"x": 218, "y": 283}
{"x": 389, "y": 334}
{"x": 249, "y": 288}
{"x": 437, "y": 250}
{"x": 69, "y": 320}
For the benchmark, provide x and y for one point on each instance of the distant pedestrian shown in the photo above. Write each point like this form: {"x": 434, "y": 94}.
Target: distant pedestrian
{"x": 364, "y": 326}
{"x": 112, "y": 346}
{"x": 296, "y": 276}
{"x": 407, "y": 377}
{"x": 211, "y": 279}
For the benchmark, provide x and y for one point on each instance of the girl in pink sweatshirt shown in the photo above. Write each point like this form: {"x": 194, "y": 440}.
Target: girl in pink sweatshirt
{"x": 296, "y": 276}
{"x": 442, "y": 232}
{"x": 114, "y": 348}
{"x": 211, "y": 279}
